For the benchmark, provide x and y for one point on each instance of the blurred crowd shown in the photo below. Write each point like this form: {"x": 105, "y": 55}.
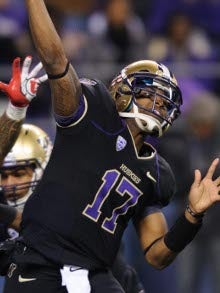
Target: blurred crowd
{"x": 102, "y": 36}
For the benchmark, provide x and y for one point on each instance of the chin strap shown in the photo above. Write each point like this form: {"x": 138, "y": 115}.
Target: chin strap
{"x": 150, "y": 124}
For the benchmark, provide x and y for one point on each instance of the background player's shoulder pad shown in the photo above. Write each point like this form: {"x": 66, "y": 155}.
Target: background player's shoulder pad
{"x": 167, "y": 184}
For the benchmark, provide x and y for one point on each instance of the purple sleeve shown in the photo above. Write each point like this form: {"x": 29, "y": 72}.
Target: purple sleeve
{"x": 65, "y": 121}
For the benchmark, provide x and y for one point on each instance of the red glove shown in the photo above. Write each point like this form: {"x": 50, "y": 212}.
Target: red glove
{"x": 23, "y": 86}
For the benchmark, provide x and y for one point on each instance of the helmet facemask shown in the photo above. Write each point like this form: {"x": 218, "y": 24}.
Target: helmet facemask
{"x": 131, "y": 87}
{"x": 11, "y": 191}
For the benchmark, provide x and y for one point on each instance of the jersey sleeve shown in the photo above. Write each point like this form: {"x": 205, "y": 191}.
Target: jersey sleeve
{"x": 96, "y": 105}
{"x": 88, "y": 86}
{"x": 66, "y": 121}
{"x": 165, "y": 188}
{"x": 146, "y": 211}
{"x": 102, "y": 112}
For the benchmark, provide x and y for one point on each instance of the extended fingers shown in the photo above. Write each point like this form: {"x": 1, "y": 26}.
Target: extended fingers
{"x": 43, "y": 78}
{"x": 35, "y": 70}
{"x": 197, "y": 178}
{"x": 212, "y": 168}
{"x": 16, "y": 69}
{"x": 26, "y": 67}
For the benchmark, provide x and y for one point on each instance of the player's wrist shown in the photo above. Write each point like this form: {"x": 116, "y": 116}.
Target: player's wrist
{"x": 15, "y": 112}
{"x": 181, "y": 233}
{"x": 192, "y": 215}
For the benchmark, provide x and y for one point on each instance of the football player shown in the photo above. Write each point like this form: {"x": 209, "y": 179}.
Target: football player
{"x": 76, "y": 216}
{"x": 24, "y": 165}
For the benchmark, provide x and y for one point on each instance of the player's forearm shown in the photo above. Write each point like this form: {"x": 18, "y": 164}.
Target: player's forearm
{"x": 159, "y": 255}
{"x": 45, "y": 37}
{"x": 64, "y": 82}
{"x": 9, "y": 130}
{"x": 164, "y": 250}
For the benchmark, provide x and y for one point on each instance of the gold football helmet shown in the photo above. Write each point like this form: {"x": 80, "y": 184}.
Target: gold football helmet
{"x": 147, "y": 79}
{"x": 32, "y": 148}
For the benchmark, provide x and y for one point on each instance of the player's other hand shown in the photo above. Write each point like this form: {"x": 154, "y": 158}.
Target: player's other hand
{"x": 23, "y": 85}
{"x": 205, "y": 191}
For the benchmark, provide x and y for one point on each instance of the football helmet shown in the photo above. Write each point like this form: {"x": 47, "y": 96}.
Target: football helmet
{"x": 147, "y": 79}
{"x": 32, "y": 148}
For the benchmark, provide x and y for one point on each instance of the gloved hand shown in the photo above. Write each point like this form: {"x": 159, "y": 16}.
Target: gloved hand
{"x": 23, "y": 85}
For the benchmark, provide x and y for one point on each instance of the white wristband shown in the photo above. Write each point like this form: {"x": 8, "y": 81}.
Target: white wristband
{"x": 16, "y": 113}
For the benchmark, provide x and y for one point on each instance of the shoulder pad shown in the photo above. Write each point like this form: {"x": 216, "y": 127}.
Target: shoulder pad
{"x": 88, "y": 81}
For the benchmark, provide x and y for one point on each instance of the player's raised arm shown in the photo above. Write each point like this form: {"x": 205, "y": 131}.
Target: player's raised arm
{"x": 21, "y": 89}
{"x": 162, "y": 246}
{"x": 65, "y": 85}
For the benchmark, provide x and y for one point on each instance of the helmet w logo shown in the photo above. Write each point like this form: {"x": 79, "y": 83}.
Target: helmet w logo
{"x": 120, "y": 143}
